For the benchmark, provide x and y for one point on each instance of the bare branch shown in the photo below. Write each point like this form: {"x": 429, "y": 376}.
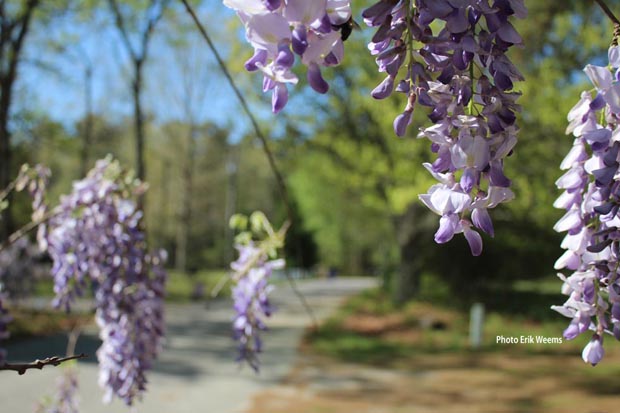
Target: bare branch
{"x": 152, "y": 22}
{"x": 31, "y": 226}
{"x": 120, "y": 24}
{"x": 24, "y": 21}
{"x": 21, "y": 368}
{"x": 272, "y": 162}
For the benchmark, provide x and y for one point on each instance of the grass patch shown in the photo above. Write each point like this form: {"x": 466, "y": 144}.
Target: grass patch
{"x": 368, "y": 328}
{"x": 28, "y": 322}
{"x": 44, "y": 287}
{"x": 182, "y": 287}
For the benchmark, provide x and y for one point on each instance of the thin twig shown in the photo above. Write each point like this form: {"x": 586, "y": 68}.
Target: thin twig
{"x": 31, "y": 226}
{"x": 220, "y": 284}
{"x": 608, "y": 11}
{"x": 302, "y": 299}
{"x": 272, "y": 163}
{"x": 21, "y": 368}
{"x": 8, "y": 190}
{"x": 72, "y": 339}
{"x": 120, "y": 23}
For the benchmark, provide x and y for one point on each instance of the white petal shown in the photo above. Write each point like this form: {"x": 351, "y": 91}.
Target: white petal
{"x": 570, "y": 220}
{"x": 600, "y": 76}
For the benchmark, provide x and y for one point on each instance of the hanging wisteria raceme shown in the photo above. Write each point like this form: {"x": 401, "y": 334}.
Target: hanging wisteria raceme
{"x": 35, "y": 181}
{"x": 95, "y": 241}
{"x": 66, "y": 399}
{"x": 463, "y": 75}
{"x": 251, "y": 274}
{"x": 17, "y": 267}
{"x": 591, "y": 199}
{"x": 279, "y": 30}
{"x": 252, "y": 270}
{"x": 131, "y": 321}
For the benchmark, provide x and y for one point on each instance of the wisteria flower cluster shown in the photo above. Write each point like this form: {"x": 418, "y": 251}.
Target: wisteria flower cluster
{"x": 591, "y": 199}
{"x": 462, "y": 73}
{"x": 35, "y": 180}
{"x": 251, "y": 274}
{"x": 280, "y": 29}
{"x": 66, "y": 399}
{"x": 17, "y": 258}
{"x": 95, "y": 241}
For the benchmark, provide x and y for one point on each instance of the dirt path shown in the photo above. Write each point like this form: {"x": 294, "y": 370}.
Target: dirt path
{"x": 492, "y": 383}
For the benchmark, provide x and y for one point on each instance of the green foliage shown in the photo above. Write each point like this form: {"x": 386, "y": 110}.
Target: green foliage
{"x": 370, "y": 177}
{"x": 351, "y": 179}
{"x": 29, "y": 322}
{"x": 185, "y": 287}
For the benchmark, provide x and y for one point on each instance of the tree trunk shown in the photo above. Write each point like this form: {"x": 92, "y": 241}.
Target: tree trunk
{"x": 139, "y": 119}
{"x": 12, "y": 38}
{"x": 412, "y": 229}
{"x": 87, "y": 135}
{"x": 6, "y": 221}
{"x": 139, "y": 130}
{"x": 185, "y": 212}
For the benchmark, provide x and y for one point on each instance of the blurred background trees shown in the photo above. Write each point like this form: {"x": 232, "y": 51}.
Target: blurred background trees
{"x": 81, "y": 79}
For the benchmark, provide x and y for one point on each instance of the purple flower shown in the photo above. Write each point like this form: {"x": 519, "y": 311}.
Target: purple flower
{"x": 66, "y": 398}
{"x": 252, "y": 271}
{"x": 280, "y": 30}
{"x": 593, "y": 352}
{"x": 474, "y": 117}
{"x": 591, "y": 197}
{"x": 95, "y": 241}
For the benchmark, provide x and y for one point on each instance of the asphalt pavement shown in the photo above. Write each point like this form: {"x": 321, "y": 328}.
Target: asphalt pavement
{"x": 197, "y": 371}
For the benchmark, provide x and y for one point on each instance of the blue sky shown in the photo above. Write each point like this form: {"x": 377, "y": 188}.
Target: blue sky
{"x": 60, "y": 92}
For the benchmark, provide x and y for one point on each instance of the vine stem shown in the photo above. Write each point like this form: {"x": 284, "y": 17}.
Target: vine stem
{"x": 31, "y": 226}
{"x": 270, "y": 157}
{"x": 608, "y": 11}
{"x": 244, "y": 104}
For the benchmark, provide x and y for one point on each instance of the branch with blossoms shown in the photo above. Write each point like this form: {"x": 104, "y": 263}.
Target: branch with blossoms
{"x": 34, "y": 180}
{"x": 339, "y": 13}
{"x": 282, "y": 188}
{"x": 452, "y": 59}
{"x": 258, "y": 244}
{"x": 447, "y": 56}
{"x": 591, "y": 198}
{"x": 95, "y": 239}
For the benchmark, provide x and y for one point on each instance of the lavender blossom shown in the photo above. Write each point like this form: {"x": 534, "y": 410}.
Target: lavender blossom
{"x": 95, "y": 240}
{"x": 280, "y": 30}
{"x": 591, "y": 198}
{"x": 35, "y": 181}
{"x": 257, "y": 246}
{"x": 130, "y": 318}
{"x": 463, "y": 75}
{"x": 66, "y": 399}
{"x": 252, "y": 271}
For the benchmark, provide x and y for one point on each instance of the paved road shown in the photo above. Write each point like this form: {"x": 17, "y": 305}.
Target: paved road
{"x": 196, "y": 372}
